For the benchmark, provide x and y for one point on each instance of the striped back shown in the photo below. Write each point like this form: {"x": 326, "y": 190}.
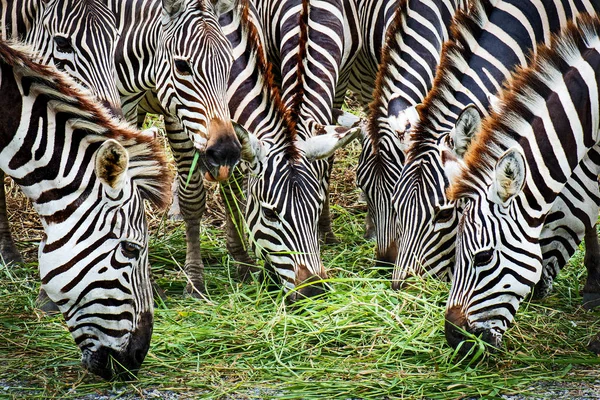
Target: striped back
{"x": 76, "y": 36}
{"x": 409, "y": 59}
{"x": 527, "y": 151}
{"x": 87, "y": 177}
{"x": 489, "y": 42}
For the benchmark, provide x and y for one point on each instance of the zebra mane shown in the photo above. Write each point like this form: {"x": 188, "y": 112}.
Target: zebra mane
{"x": 147, "y": 163}
{"x": 467, "y": 27}
{"x": 526, "y": 86}
{"x": 378, "y": 109}
{"x": 271, "y": 90}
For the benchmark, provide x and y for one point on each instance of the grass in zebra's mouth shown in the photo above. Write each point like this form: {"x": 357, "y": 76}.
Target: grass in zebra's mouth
{"x": 361, "y": 340}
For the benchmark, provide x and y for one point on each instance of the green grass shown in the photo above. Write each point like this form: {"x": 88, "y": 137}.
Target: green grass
{"x": 361, "y": 340}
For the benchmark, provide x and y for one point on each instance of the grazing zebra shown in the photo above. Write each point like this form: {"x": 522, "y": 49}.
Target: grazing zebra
{"x": 488, "y": 43}
{"x": 285, "y": 194}
{"x": 86, "y": 176}
{"x": 77, "y": 37}
{"x": 527, "y": 151}
{"x": 314, "y": 44}
{"x": 409, "y": 60}
{"x": 173, "y": 59}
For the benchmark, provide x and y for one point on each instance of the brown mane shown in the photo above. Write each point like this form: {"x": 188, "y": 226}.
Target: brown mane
{"x": 466, "y": 23}
{"x": 379, "y": 103}
{"x": 272, "y": 92}
{"x": 91, "y": 119}
{"x": 498, "y": 131}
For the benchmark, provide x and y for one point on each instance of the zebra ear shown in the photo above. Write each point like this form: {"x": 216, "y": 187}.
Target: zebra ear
{"x": 112, "y": 161}
{"x": 345, "y": 119}
{"x": 252, "y": 148}
{"x": 467, "y": 125}
{"x": 509, "y": 177}
{"x": 172, "y": 7}
{"x": 326, "y": 140}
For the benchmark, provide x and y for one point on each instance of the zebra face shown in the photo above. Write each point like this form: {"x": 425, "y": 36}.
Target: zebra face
{"x": 377, "y": 176}
{"x": 79, "y": 38}
{"x": 426, "y": 220}
{"x": 195, "y": 60}
{"x": 285, "y": 200}
{"x": 498, "y": 259}
{"x": 94, "y": 266}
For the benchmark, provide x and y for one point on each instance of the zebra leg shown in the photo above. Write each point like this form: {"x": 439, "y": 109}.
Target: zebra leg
{"x": 8, "y": 250}
{"x": 232, "y": 193}
{"x": 591, "y": 290}
{"x": 325, "y": 232}
{"x": 192, "y": 203}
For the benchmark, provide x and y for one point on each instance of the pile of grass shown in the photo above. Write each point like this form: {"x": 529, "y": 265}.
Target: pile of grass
{"x": 360, "y": 340}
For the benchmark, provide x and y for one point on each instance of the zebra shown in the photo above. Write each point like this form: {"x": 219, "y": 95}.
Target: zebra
{"x": 172, "y": 58}
{"x": 313, "y": 45}
{"x": 425, "y": 218}
{"x": 527, "y": 151}
{"x": 77, "y": 37}
{"x": 410, "y": 56}
{"x": 87, "y": 176}
{"x": 284, "y": 191}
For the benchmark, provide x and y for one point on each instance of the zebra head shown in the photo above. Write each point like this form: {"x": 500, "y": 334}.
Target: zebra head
{"x": 78, "y": 37}
{"x": 285, "y": 200}
{"x": 93, "y": 260}
{"x": 426, "y": 218}
{"x": 498, "y": 261}
{"x": 379, "y": 168}
{"x": 194, "y": 62}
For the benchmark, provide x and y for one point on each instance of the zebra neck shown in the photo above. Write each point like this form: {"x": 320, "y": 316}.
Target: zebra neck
{"x": 134, "y": 74}
{"x": 40, "y": 150}
{"x": 17, "y": 17}
{"x": 254, "y": 100}
{"x": 410, "y": 57}
{"x": 550, "y": 115}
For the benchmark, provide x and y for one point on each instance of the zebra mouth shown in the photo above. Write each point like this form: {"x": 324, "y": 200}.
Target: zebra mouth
{"x": 109, "y": 364}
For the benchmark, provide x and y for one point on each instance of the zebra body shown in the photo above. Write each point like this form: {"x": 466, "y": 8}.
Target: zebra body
{"x": 410, "y": 57}
{"x": 487, "y": 45}
{"x": 173, "y": 59}
{"x": 87, "y": 177}
{"x": 545, "y": 127}
{"x": 284, "y": 195}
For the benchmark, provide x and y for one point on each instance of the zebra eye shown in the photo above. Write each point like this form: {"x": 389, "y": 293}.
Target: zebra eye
{"x": 63, "y": 44}
{"x": 130, "y": 250}
{"x": 183, "y": 67}
{"x": 483, "y": 257}
{"x": 444, "y": 215}
{"x": 270, "y": 214}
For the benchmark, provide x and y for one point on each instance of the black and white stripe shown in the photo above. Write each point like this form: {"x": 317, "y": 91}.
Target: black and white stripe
{"x": 496, "y": 37}
{"x": 87, "y": 177}
{"x": 546, "y": 126}
{"x": 77, "y": 37}
{"x": 410, "y": 57}
{"x": 173, "y": 59}
{"x": 285, "y": 195}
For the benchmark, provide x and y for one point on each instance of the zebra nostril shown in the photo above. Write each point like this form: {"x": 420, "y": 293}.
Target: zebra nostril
{"x": 212, "y": 155}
